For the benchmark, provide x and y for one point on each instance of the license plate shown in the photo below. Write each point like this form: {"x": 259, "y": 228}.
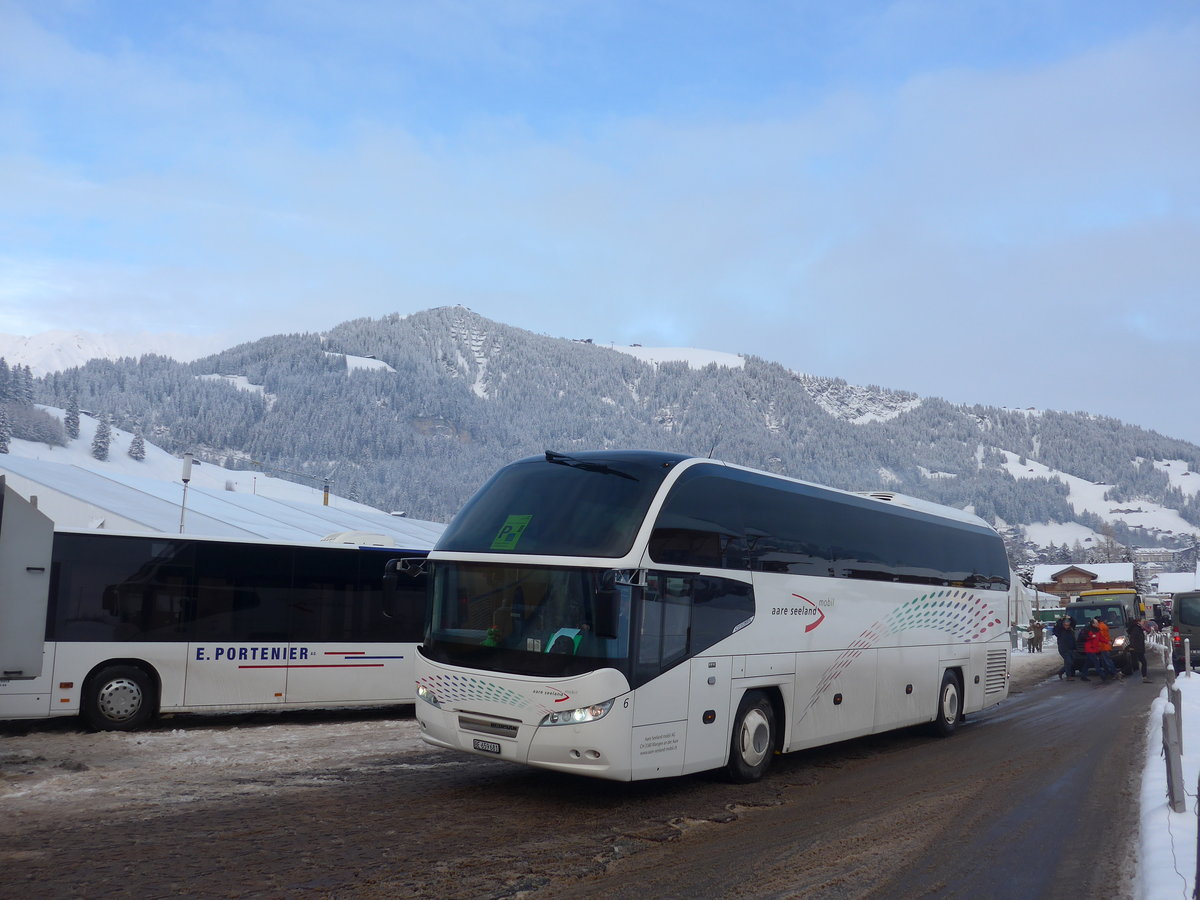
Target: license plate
{"x": 486, "y": 746}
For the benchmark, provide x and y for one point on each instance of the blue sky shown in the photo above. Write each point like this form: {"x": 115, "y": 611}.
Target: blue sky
{"x": 992, "y": 202}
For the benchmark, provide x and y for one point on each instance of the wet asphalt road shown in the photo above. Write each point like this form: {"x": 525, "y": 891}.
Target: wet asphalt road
{"x": 1035, "y": 798}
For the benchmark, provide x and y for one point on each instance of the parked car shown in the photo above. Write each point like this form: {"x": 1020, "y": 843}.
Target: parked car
{"x": 1186, "y": 626}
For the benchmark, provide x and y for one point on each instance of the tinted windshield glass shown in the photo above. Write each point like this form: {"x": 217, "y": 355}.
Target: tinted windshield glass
{"x": 1110, "y": 614}
{"x": 528, "y": 619}
{"x": 554, "y": 622}
{"x": 586, "y": 505}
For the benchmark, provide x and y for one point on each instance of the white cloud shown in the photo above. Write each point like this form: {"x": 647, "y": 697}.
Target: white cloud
{"x": 956, "y": 218}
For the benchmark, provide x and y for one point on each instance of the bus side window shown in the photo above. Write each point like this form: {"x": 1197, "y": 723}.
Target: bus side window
{"x": 666, "y": 620}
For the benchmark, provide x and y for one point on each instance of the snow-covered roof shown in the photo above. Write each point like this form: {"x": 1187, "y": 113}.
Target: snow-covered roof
{"x": 1175, "y": 582}
{"x": 75, "y": 497}
{"x": 120, "y": 493}
{"x": 1103, "y": 572}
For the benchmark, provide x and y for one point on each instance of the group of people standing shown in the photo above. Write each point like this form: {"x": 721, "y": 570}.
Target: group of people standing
{"x": 1095, "y": 642}
{"x": 1037, "y": 631}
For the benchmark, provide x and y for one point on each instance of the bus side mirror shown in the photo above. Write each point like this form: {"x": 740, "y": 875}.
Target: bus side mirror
{"x": 607, "y": 607}
{"x": 404, "y": 592}
{"x": 390, "y": 592}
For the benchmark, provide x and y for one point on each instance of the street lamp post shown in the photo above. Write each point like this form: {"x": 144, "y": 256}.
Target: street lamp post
{"x": 187, "y": 476}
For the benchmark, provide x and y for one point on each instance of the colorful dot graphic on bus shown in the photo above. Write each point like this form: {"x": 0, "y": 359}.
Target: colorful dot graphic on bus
{"x": 962, "y": 615}
{"x": 510, "y": 532}
{"x": 463, "y": 688}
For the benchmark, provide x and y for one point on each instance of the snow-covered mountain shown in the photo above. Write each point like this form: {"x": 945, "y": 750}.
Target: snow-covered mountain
{"x": 53, "y": 351}
{"x": 415, "y": 412}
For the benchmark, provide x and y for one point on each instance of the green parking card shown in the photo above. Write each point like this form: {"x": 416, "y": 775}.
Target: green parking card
{"x": 510, "y": 532}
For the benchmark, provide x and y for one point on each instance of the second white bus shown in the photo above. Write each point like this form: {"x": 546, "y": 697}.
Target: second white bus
{"x": 631, "y": 615}
{"x": 141, "y": 624}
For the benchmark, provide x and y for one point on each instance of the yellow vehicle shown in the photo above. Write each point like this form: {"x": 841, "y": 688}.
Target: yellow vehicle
{"x": 1123, "y": 594}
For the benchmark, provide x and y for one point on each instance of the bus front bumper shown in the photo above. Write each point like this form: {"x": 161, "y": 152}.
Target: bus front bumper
{"x": 598, "y": 749}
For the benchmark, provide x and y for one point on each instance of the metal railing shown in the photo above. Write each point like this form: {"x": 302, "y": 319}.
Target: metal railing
{"x": 1172, "y": 737}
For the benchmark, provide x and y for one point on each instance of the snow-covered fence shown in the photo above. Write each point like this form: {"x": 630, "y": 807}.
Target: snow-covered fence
{"x": 1172, "y": 738}
{"x": 1160, "y": 643}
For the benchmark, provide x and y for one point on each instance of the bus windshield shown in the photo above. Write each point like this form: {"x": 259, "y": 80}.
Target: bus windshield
{"x": 557, "y": 505}
{"x": 528, "y": 619}
{"x": 555, "y": 622}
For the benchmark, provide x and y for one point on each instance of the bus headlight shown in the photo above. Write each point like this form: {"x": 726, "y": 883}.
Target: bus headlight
{"x": 1118, "y": 643}
{"x": 424, "y": 693}
{"x": 579, "y": 716}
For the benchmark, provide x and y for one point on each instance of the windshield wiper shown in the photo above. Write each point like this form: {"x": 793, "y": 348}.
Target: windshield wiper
{"x": 563, "y": 459}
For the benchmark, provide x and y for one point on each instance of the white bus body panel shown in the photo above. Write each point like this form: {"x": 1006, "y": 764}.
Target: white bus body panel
{"x": 505, "y": 711}
{"x": 233, "y": 674}
{"x": 909, "y": 691}
{"x": 335, "y": 673}
{"x": 893, "y": 644}
{"x": 659, "y": 732}
{"x": 30, "y": 698}
{"x": 833, "y": 703}
{"x": 26, "y": 538}
{"x": 214, "y": 677}
{"x": 221, "y": 676}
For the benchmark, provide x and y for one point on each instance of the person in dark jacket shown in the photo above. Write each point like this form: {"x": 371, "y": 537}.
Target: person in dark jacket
{"x": 1136, "y": 636}
{"x": 1064, "y": 633}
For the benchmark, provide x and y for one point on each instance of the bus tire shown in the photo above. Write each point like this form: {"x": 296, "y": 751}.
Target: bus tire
{"x": 949, "y": 706}
{"x": 118, "y": 698}
{"x": 753, "y": 742}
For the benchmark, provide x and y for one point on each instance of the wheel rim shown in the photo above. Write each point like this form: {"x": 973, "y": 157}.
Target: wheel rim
{"x": 950, "y": 703}
{"x": 754, "y": 739}
{"x": 120, "y": 699}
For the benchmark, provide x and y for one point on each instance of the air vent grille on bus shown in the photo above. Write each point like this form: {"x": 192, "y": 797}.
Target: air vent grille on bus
{"x": 997, "y": 671}
{"x": 491, "y": 727}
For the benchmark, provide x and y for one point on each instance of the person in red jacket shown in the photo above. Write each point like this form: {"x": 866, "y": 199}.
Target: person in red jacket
{"x": 1106, "y": 659}
{"x": 1091, "y": 649}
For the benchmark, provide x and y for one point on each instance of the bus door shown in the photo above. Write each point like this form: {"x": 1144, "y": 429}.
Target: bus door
{"x": 25, "y": 541}
{"x": 239, "y": 652}
{"x": 709, "y": 714}
{"x": 344, "y": 647}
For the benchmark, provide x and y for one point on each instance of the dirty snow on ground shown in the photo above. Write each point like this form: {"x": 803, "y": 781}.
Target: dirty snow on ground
{"x": 175, "y": 764}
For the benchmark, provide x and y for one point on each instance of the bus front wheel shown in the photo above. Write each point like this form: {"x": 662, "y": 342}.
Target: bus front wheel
{"x": 753, "y": 741}
{"x": 118, "y": 698}
{"x": 949, "y": 708}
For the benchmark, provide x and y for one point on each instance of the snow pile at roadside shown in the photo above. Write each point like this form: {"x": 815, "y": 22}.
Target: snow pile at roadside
{"x": 1167, "y": 863}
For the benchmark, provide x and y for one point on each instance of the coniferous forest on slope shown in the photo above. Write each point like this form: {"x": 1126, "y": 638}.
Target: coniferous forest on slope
{"x": 466, "y": 395}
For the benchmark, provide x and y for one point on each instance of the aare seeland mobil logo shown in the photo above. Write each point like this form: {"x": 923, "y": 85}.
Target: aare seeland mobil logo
{"x": 554, "y": 694}
{"x": 809, "y": 611}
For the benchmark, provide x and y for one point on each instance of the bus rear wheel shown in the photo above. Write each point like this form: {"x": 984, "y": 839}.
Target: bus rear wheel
{"x": 949, "y": 708}
{"x": 118, "y": 698}
{"x": 753, "y": 741}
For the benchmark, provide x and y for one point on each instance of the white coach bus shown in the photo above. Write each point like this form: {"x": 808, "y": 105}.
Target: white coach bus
{"x": 632, "y": 615}
{"x": 138, "y": 624}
